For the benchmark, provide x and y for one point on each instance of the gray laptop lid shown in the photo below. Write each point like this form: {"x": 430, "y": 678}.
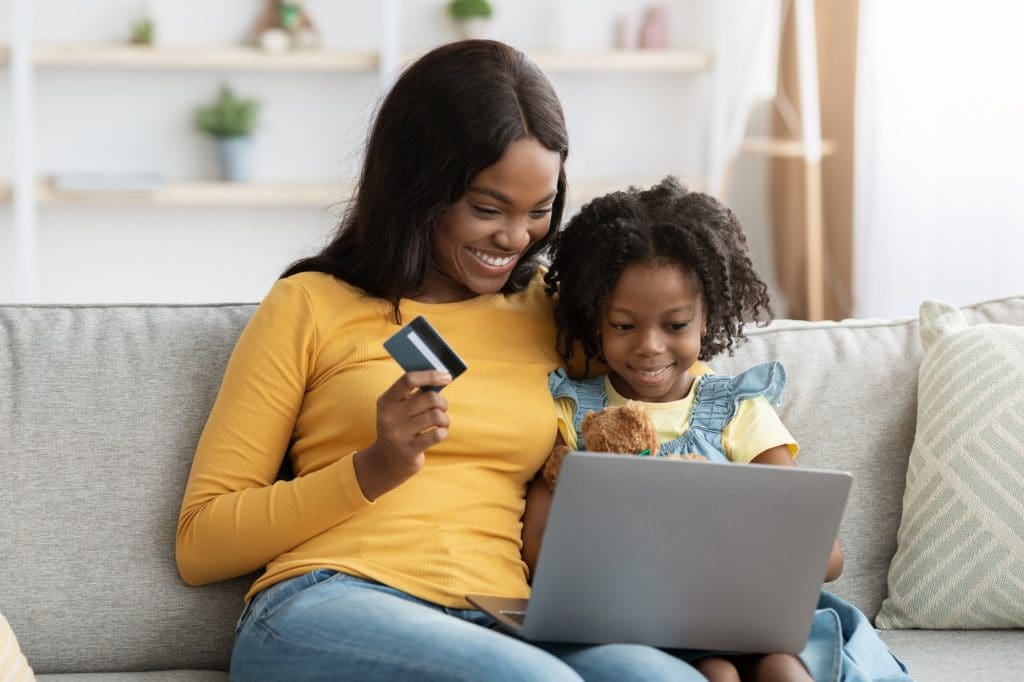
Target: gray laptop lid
{"x": 684, "y": 554}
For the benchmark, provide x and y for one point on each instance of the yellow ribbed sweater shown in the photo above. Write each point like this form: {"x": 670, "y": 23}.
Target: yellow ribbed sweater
{"x": 304, "y": 379}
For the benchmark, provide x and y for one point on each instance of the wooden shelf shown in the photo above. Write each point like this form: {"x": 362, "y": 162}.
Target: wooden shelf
{"x": 243, "y": 194}
{"x": 787, "y": 149}
{"x": 251, "y": 58}
{"x": 211, "y": 193}
{"x": 668, "y": 61}
{"x": 237, "y": 58}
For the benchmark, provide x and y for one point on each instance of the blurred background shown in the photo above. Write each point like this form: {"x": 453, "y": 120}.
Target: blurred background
{"x": 873, "y": 150}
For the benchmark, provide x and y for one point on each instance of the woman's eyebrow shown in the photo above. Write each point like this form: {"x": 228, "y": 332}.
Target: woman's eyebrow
{"x": 505, "y": 199}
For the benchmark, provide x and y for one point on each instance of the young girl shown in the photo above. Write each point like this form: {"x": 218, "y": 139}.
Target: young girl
{"x": 651, "y": 283}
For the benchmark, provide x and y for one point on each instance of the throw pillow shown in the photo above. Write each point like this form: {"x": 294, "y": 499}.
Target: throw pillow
{"x": 960, "y": 557}
{"x": 13, "y": 665}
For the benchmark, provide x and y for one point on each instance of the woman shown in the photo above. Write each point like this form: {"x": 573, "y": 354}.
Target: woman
{"x": 403, "y": 500}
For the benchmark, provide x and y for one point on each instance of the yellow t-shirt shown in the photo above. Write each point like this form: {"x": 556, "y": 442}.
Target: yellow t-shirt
{"x": 754, "y": 428}
{"x": 304, "y": 379}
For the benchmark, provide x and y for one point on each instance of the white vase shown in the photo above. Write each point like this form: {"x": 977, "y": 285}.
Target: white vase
{"x": 235, "y": 157}
{"x": 469, "y": 29}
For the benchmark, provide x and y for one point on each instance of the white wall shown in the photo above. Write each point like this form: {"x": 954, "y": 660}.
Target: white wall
{"x": 119, "y": 120}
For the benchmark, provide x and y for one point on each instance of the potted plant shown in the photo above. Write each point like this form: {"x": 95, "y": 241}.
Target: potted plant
{"x": 471, "y": 17}
{"x": 142, "y": 32}
{"x": 230, "y": 120}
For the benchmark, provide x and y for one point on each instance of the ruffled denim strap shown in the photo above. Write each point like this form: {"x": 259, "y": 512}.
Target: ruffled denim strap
{"x": 587, "y": 395}
{"x": 715, "y": 403}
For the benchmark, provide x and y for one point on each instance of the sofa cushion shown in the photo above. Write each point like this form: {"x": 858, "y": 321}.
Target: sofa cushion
{"x": 960, "y": 561}
{"x": 100, "y": 411}
{"x": 850, "y": 402}
{"x": 958, "y": 655}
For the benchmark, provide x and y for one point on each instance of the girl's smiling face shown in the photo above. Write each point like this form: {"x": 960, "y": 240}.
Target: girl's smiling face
{"x": 480, "y": 238}
{"x": 651, "y": 330}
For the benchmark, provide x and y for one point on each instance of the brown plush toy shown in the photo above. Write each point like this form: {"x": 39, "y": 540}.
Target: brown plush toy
{"x": 625, "y": 429}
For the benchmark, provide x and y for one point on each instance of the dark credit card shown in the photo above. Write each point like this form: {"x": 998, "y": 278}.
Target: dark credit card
{"x": 418, "y": 346}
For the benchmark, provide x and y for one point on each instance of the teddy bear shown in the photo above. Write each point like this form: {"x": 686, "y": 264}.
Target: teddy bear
{"x": 624, "y": 429}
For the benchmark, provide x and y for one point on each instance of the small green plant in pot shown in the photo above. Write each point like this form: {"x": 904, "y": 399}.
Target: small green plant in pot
{"x": 471, "y": 17}
{"x": 231, "y": 120}
{"x": 142, "y": 32}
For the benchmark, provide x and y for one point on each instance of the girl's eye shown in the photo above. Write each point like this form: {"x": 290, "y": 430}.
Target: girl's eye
{"x": 678, "y": 326}
{"x": 540, "y": 213}
{"x": 620, "y": 327}
{"x": 484, "y": 211}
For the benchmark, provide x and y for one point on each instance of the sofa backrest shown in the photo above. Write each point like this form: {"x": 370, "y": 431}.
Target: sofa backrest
{"x": 851, "y": 404}
{"x": 101, "y": 408}
{"x": 100, "y": 411}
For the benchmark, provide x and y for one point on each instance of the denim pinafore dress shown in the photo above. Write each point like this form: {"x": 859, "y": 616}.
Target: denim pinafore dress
{"x": 714, "y": 405}
{"x": 842, "y": 645}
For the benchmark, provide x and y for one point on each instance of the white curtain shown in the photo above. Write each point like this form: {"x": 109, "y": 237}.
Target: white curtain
{"x": 939, "y": 170}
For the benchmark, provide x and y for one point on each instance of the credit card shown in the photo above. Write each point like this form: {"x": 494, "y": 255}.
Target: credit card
{"x": 418, "y": 346}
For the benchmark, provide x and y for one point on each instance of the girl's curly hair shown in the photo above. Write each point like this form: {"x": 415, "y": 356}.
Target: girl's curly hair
{"x": 666, "y": 223}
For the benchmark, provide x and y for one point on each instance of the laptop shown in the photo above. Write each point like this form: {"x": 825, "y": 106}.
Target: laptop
{"x": 680, "y": 554}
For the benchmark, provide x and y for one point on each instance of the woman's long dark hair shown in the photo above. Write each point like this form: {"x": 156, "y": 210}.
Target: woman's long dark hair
{"x": 450, "y": 115}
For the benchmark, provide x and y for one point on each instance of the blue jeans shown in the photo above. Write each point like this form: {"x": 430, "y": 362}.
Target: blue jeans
{"x": 326, "y": 625}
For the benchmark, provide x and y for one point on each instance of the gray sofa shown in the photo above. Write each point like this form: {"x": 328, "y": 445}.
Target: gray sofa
{"x": 101, "y": 407}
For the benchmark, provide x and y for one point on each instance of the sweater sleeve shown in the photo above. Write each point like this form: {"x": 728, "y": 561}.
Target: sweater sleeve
{"x": 234, "y": 517}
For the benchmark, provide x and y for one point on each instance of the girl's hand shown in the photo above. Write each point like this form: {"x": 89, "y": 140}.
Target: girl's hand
{"x": 410, "y": 419}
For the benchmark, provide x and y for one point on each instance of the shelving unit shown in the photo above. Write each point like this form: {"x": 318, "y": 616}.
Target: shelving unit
{"x": 242, "y": 58}
{"x": 29, "y": 191}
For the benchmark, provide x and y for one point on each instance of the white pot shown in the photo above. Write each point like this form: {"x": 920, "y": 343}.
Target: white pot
{"x": 235, "y": 157}
{"x": 473, "y": 28}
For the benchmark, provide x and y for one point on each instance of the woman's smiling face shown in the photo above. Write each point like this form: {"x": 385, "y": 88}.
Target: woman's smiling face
{"x": 481, "y": 237}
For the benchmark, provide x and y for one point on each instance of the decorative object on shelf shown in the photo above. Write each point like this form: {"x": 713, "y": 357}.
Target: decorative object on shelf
{"x": 285, "y": 25}
{"x": 231, "y": 120}
{"x": 654, "y": 28}
{"x": 142, "y": 32}
{"x": 625, "y": 34}
{"x": 471, "y": 17}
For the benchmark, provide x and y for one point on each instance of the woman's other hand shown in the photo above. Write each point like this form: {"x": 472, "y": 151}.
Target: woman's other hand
{"x": 410, "y": 419}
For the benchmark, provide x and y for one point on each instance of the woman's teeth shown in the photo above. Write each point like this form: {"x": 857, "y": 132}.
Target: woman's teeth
{"x": 493, "y": 261}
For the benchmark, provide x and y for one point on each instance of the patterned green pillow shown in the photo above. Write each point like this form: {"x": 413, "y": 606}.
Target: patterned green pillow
{"x": 960, "y": 559}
